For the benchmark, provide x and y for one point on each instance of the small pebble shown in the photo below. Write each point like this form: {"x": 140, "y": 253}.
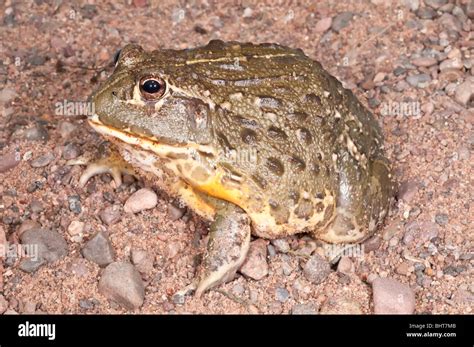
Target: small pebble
{"x": 419, "y": 81}
{"x": 464, "y": 93}
{"x": 379, "y": 77}
{"x": 175, "y": 212}
{"x": 65, "y": 129}
{"x": 36, "y": 133}
{"x": 172, "y": 249}
{"x": 142, "y": 260}
{"x": 178, "y": 15}
{"x": 255, "y": 265}
{"x": 317, "y": 269}
{"x": 452, "y": 270}
{"x": 373, "y": 102}
{"x": 345, "y": 265}
{"x": 47, "y": 246}
{"x": 427, "y": 108}
{"x": 75, "y": 204}
{"x": 407, "y": 190}
{"x": 372, "y": 244}
{"x": 7, "y": 94}
{"x": 323, "y": 25}
{"x": 247, "y": 12}
{"x": 34, "y": 186}
{"x": 43, "y": 160}
{"x": 426, "y": 13}
{"x": 419, "y": 232}
{"x": 338, "y": 305}
{"x": 122, "y": 283}
{"x": 87, "y": 304}
{"x": 111, "y": 214}
{"x": 36, "y": 59}
{"x": 75, "y": 230}
{"x": 88, "y": 11}
{"x": 168, "y": 306}
{"x": 99, "y": 250}
{"x": 435, "y": 3}
{"x": 286, "y": 267}
{"x": 178, "y": 299}
{"x": 393, "y": 242}
{"x": 3, "y": 304}
{"x": 27, "y": 225}
{"x": 78, "y": 267}
{"x": 28, "y": 307}
{"x": 9, "y": 161}
{"x": 281, "y": 245}
{"x": 3, "y": 243}
{"x": 238, "y": 289}
{"x": 450, "y": 23}
{"x": 341, "y": 21}
{"x": 304, "y": 309}
{"x": 371, "y": 278}
{"x": 271, "y": 251}
{"x": 470, "y": 9}
{"x": 424, "y": 61}
{"x": 464, "y": 153}
{"x": 392, "y": 297}
{"x": 402, "y": 269}
{"x": 36, "y": 206}
{"x": 281, "y": 294}
{"x": 275, "y": 307}
{"x": 71, "y": 151}
{"x": 143, "y": 199}
{"x": 412, "y": 5}
{"x": 454, "y": 63}
{"x": 399, "y": 70}
{"x": 441, "y": 218}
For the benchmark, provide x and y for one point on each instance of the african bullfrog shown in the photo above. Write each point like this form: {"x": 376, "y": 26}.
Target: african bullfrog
{"x": 256, "y": 138}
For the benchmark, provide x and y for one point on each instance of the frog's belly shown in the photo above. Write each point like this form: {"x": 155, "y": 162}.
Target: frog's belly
{"x": 193, "y": 194}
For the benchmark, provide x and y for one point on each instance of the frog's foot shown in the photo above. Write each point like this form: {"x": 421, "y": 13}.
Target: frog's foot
{"x": 113, "y": 164}
{"x": 188, "y": 290}
{"x": 229, "y": 241}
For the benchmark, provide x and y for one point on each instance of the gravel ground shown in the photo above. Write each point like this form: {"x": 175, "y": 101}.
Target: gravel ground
{"x": 410, "y": 62}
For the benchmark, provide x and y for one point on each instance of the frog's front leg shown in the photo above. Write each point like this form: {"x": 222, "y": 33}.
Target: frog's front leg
{"x": 229, "y": 241}
{"x": 108, "y": 160}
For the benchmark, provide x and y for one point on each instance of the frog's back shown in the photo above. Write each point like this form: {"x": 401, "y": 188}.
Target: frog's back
{"x": 303, "y": 150}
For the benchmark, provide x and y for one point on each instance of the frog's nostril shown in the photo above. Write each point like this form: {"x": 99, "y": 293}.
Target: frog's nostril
{"x": 114, "y": 93}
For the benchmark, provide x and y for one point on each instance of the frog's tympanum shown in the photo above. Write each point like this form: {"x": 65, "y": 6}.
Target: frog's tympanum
{"x": 257, "y": 139}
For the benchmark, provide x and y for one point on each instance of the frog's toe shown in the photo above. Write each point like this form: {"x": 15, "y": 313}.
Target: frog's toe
{"x": 113, "y": 165}
{"x": 189, "y": 289}
{"x": 100, "y": 167}
{"x": 227, "y": 248}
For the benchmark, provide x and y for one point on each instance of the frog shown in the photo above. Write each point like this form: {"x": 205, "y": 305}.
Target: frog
{"x": 258, "y": 139}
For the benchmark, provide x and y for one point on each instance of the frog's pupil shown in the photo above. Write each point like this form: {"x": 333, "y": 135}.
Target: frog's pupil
{"x": 151, "y": 86}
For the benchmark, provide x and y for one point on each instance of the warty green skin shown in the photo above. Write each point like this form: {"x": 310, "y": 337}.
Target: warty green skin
{"x": 311, "y": 136}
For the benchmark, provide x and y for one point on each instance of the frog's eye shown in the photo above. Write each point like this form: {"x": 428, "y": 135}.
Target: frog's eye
{"x": 152, "y": 88}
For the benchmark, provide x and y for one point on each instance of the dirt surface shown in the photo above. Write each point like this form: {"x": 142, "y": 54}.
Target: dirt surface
{"x": 410, "y": 62}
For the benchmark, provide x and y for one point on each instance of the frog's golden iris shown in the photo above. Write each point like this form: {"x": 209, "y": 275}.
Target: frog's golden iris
{"x": 152, "y": 88}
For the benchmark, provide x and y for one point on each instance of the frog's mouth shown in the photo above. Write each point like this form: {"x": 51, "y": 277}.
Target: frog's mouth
{"x": 185, "y": 156}
{"x": 147, "y": 143}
